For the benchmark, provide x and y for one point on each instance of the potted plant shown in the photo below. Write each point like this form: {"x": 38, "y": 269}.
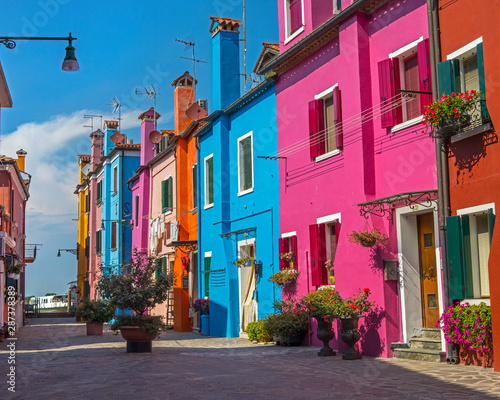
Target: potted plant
{"x": 288, "y": 324}
{"x": 322, "y": 304}
{"x": 14, "y": 270}
{"x": 367, "y": 238}
{"x": 285, "y": 277}
{"x": 349, "y": 312}
{"x": 244, "y": 262}
{"x": 330, "y": 268}
{"x": 257, "y": 332}
{"x": 203, "y": 307}
{"x": 135, "y": 293}
{"x": 450, "y": 113}
{"x": 468, "y": 327}
{"x": 95, "y": 313}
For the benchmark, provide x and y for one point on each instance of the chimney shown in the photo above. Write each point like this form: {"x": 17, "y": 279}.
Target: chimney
{"x": 110, "y": 127}
{"x": 147, "y": 126}
{"x": 226, "y": 61}
{"x": 96, "y": 148}
{"x": 183, "y": 99}
{"x": 21, "y": 155}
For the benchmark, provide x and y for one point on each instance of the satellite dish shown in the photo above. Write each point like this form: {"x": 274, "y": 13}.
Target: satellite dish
{"x": 196, "y": 112}
{"x": 86, "y": 169}
{"x": 155, "y": 137}
{"x": 117, "y": 137}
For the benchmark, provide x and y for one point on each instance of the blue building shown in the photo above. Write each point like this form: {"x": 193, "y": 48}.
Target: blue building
{"x": 238, "y": 192}
{"x": 120, "y": 160}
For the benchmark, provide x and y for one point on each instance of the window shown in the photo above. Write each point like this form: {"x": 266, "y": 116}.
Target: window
{"x": 469, "y": 240}
{"x": 208, "y": 261}
{"x": 167, "y": 194}
{"x": 406, "y": 69}
{"x": 98, "y": 242}
{"x": 195, "y": 186}
{"x": 294, "y": 18}
{"x": 161, "y": 266}
{"x": 99, "y": 192}
{"x": 115, "y": 179}
{"x": 87, "y": 202}
{"x": 136, "y": 210}
{"x": 323, "y": 246}
{"x": 209, "y": 181}
{"x": 113, "y": 235}
{"x": 287, "y": 245}
{"x": 245, "y": 164}
{"x": 87, "y": 246}
{"x": 325, "y": 123}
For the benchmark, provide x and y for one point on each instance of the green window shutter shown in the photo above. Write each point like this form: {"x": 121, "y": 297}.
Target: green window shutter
{"x": 164, "y": 190}
{"x": 467, "y": 257}
{"x": 247, "y": 163}
{"x": 455, "y": 257}
{"x": 170, "y": 200}
{"x": 136, "y": 210}
{"x": 448, "y": 76}
{"x": 491, "y": 222}
{"x": 164, "y": 265}
{"x": 210, "y": 180}
{"x": 158, "y": 268}
{"x": 480, "y": 70}
{"x": 208, "y": 260}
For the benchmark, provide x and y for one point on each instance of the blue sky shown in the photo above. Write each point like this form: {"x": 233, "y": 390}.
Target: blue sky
{"x": 122, "y": 45}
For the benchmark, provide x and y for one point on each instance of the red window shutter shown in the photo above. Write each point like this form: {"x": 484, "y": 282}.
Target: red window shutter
{"x": 386, "y": 93}
{"x": 424, "y": 73}
{"x": 396, "y": 84}
{"x": 283, "y": 248}
{"x": 337, "y": 231}
{"x": 316, "y": 128}
{"x": 295, "y": 15}
{"x": 337, "y": 109}
{"x": 294, "y": 250}
{"x": 317, "y": 235}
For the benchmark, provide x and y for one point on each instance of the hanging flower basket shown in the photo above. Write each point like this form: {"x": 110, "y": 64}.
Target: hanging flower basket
{"x": 285, "y": 277}
{"x": 368, "y": 238}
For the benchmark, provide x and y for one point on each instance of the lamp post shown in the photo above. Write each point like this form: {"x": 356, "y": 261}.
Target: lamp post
{"x": 72, "y": 251}
{"x": 69, "y": 64}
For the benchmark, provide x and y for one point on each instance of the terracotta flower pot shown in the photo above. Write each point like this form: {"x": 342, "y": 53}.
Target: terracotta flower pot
{"x": 94, "y": 329}
{"x": 138, "y": 339}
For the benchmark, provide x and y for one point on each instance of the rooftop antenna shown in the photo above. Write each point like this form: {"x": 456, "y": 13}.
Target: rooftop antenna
{"x": 117, "y": 106}
{"x": 244, "y": 48}
{"x": 193, "y": 59}
{"x": 91, "y": 117}
{"x": 150, "y": 93}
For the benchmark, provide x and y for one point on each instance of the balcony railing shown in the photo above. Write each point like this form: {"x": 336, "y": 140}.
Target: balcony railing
{"x": 30, "y": 253}
{"x": 476, "y": 120}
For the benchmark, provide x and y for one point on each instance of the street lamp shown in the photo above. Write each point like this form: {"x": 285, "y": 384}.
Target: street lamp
{"x": 69, "y": 64}
{"x": 72, "y": 251}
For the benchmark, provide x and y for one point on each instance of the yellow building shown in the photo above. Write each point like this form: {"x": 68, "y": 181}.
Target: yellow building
{"x": 82, "y": 190}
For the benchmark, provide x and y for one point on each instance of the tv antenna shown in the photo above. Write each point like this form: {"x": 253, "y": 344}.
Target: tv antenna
{"x": 117, "y": 106}
{"x": 150, "y": 93}
{"x": 244, "y": 48}
{"x": 193, "y": 59}
{"x": 91, "y": 117}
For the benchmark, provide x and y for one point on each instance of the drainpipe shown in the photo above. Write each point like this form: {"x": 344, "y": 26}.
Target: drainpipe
{"x": 441, "y": 161}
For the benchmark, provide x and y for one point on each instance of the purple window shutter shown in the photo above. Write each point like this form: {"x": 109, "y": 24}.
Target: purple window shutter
{"x": 396, "y": 84}
{"x": 316, "y": 128}
{"x": 295, "y": 15}
{"x": 295, "y": 252}
{"x": 338, "y": 118}
{"x": 313, "y": 245}
{"x": 323, "y": 273}
{"x": 424, "y": 74}
{"x": 386, "y": 92}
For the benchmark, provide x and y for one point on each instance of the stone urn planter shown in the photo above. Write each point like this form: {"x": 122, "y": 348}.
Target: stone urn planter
{"x": 350, "y": 335}
{"x": 94, "y": 329}
{"x": 325, "y": 334}
{"x": 138, "y": 339}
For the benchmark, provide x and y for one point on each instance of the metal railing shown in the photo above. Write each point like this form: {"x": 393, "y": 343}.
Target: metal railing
{"x": 30, "y": 251}
{"x": 477, "y": 116}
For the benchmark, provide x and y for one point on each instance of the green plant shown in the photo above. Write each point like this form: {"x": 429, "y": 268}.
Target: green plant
{"x": 202, "y": 305}
{"x": 99, "y": 311}
{"x": 468, "y": 325}
{"x": 241, "y": 262}
{"x": 284, "y": 277}
{"x": 153, "y": 324}
{"x": 137, "y": 291}
{"x": 15, "y": 269}
{"x": 322, "y": 303}
{"x": 257, "y": 331}
{"x": 367, "y": 238}
{"x": 355, "y": 305}
{"x": 289, "y": 320}
{"x": 329, "y": 265}
{"x": 289, "y": 257}
{"x": 450, "y": 109}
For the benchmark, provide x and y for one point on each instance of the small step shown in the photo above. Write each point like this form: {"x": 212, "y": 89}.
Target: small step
{"x": 425, "y": 343}
{"x": 243, "y": 335}
{"x": 420, "y": 355}
{"x": 431, "y": 333}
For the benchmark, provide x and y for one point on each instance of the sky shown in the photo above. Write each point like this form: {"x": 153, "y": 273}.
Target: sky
{"x": 120, "y": 46}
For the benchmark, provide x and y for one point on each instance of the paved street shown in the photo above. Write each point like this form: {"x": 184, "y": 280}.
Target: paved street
{"x": 56, "y": 360}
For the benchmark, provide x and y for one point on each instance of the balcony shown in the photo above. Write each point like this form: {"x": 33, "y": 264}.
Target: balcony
{"x": 474, "y": 122}
{"x": 30, "y": 253}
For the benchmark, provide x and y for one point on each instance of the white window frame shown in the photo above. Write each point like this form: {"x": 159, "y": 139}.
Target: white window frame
{"x": 205, "y": 177}
{"x": 240, "y": 139}
{"x": 329, "y": 218}
{"x": 288, "y": 234}
{"x": 322, "y": 95}
{"x": 463, "y": 54}
{"x": 288, "y": 37}
{"x": 336, "y": 8}
{"x": 115, "y": 182}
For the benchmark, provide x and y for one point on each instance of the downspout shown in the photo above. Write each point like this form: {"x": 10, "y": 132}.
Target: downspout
{"x": 441, "y": 159}
{"x": 198, "y": 217}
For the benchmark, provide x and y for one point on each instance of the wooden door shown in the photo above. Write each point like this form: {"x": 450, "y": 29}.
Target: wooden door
{"x": 428, "y": 272}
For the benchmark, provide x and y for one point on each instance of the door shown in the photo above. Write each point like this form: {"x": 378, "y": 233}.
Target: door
{"x": 248, "y": 302}
{"x": 193, "y": 287}
{"x": 428, "y": 273}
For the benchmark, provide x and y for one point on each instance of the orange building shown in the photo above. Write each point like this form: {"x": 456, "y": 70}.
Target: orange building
{"x": 469, "y": 55}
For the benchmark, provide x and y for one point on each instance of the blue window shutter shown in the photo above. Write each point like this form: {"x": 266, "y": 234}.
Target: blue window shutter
{"x": 454, "y": 242}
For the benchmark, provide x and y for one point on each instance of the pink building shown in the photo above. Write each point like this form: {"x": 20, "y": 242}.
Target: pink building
{"x": 351, "y": 144}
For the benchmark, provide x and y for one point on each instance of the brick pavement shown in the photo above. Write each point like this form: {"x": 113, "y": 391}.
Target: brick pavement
{"x": 56, "y": 360}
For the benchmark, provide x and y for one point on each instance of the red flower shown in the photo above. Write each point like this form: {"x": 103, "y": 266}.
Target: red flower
{"x": 298, "y": 313}
{"x": 366, "y": 290}
{"x": 312, "y": 309}
{"x": 353, "y": 306}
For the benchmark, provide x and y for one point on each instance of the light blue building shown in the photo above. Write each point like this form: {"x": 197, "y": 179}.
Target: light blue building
{"x": 119, "y": 162}
{"x": 238, "y": 192}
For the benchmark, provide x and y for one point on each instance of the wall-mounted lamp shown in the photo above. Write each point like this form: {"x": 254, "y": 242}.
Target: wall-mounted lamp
{"x": 72, "y": 251}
